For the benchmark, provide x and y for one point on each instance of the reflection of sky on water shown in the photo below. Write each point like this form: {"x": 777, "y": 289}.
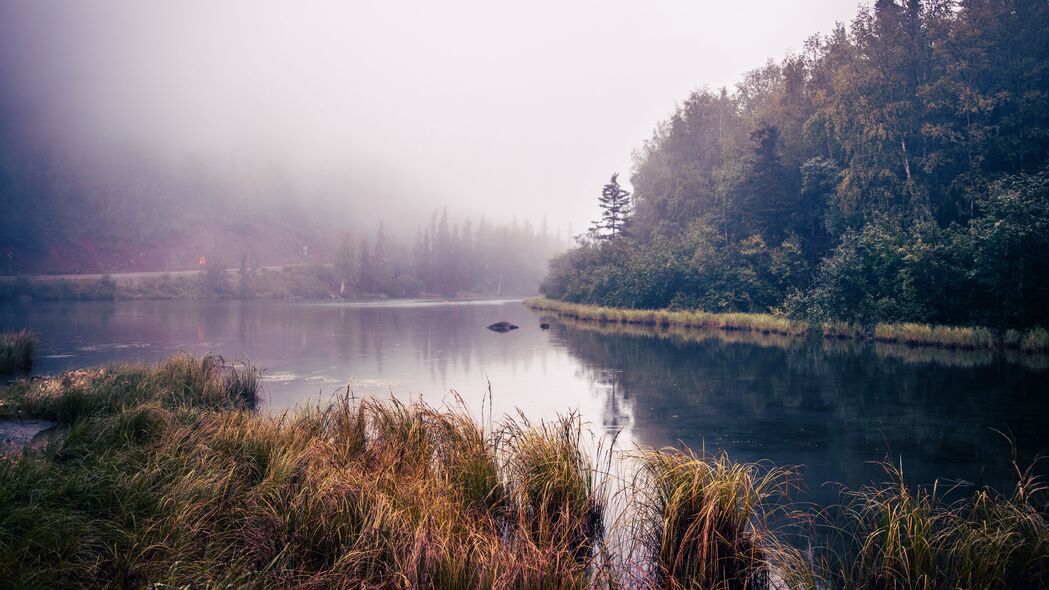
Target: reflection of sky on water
{"x": 830, "y": 406}
{"x": 429, "y": 349}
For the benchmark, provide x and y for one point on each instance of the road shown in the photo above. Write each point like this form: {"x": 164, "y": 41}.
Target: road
{"x": 124, "y": 276}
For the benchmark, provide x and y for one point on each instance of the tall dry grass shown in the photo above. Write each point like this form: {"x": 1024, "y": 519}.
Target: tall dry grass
{"x": 703, "y": 521}
{"x": 1034, "y": 340}
{"x": 16, "y": 351}
{"x": 753, "y": 322}
{"x": 962, "y": 337}
{"x": 897, "y": 536}
{"x": 165, "y": 476}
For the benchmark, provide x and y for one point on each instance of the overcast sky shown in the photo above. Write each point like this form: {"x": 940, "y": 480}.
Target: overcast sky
{"x": 490, "y": 107}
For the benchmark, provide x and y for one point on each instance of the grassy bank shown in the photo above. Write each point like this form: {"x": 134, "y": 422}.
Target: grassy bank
{"x": 930, "y": 335}
{"x": 164, "y": 475}
{"x": 16, "y": 352}
{"x": 751, "y": 322}
{"x": 953, "y": 337}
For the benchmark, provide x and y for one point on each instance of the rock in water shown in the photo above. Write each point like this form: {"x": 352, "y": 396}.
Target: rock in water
{"x": 502, "y": 327}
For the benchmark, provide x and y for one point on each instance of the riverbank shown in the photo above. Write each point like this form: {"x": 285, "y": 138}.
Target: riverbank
{"x": 287, "y": 282}
{"x": 313, "y": 281}
{"x": 167, "y": 475}
{"x": 1035, "y": 340}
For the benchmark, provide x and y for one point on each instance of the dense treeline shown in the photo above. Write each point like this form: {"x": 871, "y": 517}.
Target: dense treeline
{"x": 894, "y": 170}
{"x": 447, "y": 258}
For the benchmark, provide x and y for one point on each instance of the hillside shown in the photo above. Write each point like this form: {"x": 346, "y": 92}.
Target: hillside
{"x": 892, "y": 170}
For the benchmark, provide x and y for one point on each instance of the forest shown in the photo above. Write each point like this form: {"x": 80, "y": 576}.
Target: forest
{"x": 97, "y": 207}
{"x": 447, "y": 258}
{"x": 894, "y": 170}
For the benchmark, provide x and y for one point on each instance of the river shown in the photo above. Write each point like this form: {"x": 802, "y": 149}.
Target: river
{"x": 832, "y": 408}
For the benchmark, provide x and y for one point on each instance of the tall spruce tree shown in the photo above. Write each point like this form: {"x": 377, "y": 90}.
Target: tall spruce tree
{"x": 615, "y": 210}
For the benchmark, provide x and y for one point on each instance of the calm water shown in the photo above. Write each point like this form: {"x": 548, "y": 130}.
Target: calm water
{"x": 832, "y": 407}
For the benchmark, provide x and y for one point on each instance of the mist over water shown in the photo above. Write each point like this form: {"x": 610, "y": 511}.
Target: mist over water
{"x": 368, "y": 110}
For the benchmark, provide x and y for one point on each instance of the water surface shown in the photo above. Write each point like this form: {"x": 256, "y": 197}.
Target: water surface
{"x": 832, "y": 407}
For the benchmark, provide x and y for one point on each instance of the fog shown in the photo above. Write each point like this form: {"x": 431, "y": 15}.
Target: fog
{"x": 388, "y": 108}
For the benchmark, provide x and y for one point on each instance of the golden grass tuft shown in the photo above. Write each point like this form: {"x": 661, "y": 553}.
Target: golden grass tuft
{"x": 753, "y": 322}
{"x": 843, "y": 330}
{"x": 931, "y": 335}
{"x": 702, "y": 521}
{"x": 1035, "y": 340}
{"x": 16, "y": 351}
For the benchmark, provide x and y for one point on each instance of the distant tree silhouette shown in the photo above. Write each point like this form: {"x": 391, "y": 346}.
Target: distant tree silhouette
{"x": 615, "y": 210}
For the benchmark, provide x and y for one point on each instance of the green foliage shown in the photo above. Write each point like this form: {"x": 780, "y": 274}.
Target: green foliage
{"x": 697, "y": 270}
{"x": 867, "y": 278}
{"x": 903, "y": 160}
{"x": 1008, "y": 245}
{"x": 992, "y": 270}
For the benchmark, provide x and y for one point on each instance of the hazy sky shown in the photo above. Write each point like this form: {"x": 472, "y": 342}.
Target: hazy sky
{"x": 490, "y": 107}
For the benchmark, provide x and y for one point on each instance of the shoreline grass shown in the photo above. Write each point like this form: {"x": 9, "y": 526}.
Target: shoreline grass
{"x": 929, "y": 335}
{"x": 1032, "y": 341}
{"x": 165, "y": 476}
{"x": 16, "y": 352}
{"x": 748, "y": 322}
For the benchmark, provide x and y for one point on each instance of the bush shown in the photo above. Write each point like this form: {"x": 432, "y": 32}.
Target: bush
{"x": 699, "y": 270}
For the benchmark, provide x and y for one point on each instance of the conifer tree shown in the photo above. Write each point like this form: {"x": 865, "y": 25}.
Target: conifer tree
{"x": 615, "y": 210}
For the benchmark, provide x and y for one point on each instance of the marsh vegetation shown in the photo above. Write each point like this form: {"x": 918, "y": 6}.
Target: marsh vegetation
{"x": 165, "y": 474}
{"x": 911, "y": 334}
{"x": 16, "y": 351}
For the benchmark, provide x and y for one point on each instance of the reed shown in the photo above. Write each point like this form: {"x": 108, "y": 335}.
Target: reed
{"x": 16, "y": 351}
{"x": 962, "y": 337}
{"x": 1035, "y": 340}
{"x": 702, "y": 521}
{"x": 843, "y": 330}
{"x": 558, "y": 495}
{"x": 206, "y": 382}
{"x": 898, "y": 537}
{"x": 753, "y": 322}
{"x": 165, "y": 476}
